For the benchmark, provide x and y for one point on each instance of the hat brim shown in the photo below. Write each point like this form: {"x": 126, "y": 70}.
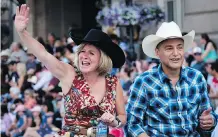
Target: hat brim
{"x": 150, "y": 43}
{"x": 111, "y": 49}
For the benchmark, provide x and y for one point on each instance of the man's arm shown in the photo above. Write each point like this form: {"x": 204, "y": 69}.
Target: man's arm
{"x": 204, "y": 107}
{"x": 136, "y": 108}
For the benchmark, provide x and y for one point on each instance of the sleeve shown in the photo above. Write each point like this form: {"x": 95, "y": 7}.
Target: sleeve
{"x": 205, "y": 104}
{"x": 136, "y": 109}
{"x": 42, "y": 82}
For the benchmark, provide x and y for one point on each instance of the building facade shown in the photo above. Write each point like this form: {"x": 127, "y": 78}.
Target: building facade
{"x": 57, "y": 16}
{"x": 198, "y": 15}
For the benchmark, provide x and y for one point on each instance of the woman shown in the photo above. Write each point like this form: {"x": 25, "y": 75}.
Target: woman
{"x": 19, "y": 126}
{"x": 37, "y": 121}
{"x": 6, "y": 121}
{"x": 22, "y": 83}
{"x": 29, "y": 99}
{"x": 210, "y": 49}
{"x": 90, "y": 94}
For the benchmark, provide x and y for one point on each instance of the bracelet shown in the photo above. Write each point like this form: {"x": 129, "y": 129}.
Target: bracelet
{"x": 119, "y": 122}
{"x": 19, "y": 130}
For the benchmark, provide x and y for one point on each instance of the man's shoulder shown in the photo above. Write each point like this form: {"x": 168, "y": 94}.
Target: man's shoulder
{"x": 148, "y": 76}
{"x": 192, "y": 75}
{"x": 191, "y": 70}
{"x": 149, "y": 73}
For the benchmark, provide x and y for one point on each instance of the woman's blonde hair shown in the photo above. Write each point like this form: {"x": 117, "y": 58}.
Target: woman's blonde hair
{"x": 21, "y": 69}
{"x": 105, "y": 63}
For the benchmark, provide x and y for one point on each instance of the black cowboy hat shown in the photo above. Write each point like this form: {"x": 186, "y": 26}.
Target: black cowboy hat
{"x": 102, "y": 41}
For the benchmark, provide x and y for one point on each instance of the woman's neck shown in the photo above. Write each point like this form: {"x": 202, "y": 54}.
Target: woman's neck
{"x": 91, "y": 77}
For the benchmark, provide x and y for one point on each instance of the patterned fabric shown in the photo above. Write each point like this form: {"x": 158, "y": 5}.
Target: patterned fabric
{"x": 81, "y": 108}
{"x": 44, "y": 130}
{"x": 159, "y": 109}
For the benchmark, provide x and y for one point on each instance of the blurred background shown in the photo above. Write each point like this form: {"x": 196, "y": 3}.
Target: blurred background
{"x": 58, "y": 16}
{"x": 31, "y": 96}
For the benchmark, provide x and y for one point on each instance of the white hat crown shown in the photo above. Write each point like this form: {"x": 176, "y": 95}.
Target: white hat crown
{"x": 170, "y": 29}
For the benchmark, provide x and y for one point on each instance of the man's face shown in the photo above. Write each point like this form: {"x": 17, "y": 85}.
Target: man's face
{"x": 12, "y": 68}
{"x": 14, "y": 47}
{"x": 51, "y": 38}
{"x": 197, "y": 57}
{"x": 4, "y": 59}
{"x": 171, "y": 53}
{"x": 31, "y": 57}
{"x": 208, "y": 69}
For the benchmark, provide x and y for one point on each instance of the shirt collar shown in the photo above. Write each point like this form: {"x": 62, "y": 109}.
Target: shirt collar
{"x": 164, "y": 78}
{"x": 182, "y": 74}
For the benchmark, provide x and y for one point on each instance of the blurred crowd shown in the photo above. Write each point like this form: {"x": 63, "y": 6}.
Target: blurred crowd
{"x": 31, "y": 98}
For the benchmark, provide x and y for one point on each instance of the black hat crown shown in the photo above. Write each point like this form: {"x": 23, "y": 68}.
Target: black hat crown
{"x": 102, "y": 41}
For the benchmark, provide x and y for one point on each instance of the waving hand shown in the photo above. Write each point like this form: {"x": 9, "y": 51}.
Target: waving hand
{"x": 21, "y": 18}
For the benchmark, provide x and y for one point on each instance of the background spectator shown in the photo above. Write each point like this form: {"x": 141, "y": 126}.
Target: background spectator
{"x": 210, "y": 49}
{"x": 17, "y": 53}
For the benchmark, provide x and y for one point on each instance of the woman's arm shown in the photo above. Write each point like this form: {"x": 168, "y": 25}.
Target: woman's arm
{"x": 120, "y": 105}
{"x": 110, "y": 119}
{"x": 24, "y": 126}
{"x": 20, "y": 82}
{"x": 208, "y": 49}
{"x": 213, "y": 94}
{"x": 58, "y": 68}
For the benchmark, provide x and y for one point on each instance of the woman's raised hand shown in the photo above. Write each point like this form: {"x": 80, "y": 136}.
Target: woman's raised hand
{"x": 21, "y": 18}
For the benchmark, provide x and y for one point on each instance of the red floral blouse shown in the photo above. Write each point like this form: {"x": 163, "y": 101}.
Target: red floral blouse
{"x": 81, "y": 108}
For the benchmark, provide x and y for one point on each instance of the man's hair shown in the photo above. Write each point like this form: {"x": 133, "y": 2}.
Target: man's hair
{"x": 214, "y": 65}
{"x": 18, "y": 100}
{"x": 105, "y": 64}
{"x": 12, "y": 62}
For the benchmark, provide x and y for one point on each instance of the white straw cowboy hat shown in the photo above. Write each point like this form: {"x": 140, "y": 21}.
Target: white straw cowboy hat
{"x": 167, "y": 30}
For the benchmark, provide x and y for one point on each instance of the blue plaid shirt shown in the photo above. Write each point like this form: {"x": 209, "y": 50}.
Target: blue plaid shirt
{"x": 159, "y": 109}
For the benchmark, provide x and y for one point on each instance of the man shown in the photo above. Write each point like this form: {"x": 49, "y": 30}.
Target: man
{"x": 31, "y": 61}
{"x": 5, "y": 55}
{"x": 169, "y": 100}
{"x": 13, "y": 75}
{"x": 212, "y": 69}
{"x": 17, "y": 53}
{"x": 198, "y": 63}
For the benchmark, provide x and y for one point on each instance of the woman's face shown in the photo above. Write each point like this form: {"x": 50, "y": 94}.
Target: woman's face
{"x": 89, "y": 58}
{"x": 36, "y": 114}
{"x": 208, "y": 68}
{"x": 45, "y": 108}
{"x": 51, "y": 38}
{"x": 26, "y": 97}
{"x": 20, "y": 113}
{"x": 203, "y": 41}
